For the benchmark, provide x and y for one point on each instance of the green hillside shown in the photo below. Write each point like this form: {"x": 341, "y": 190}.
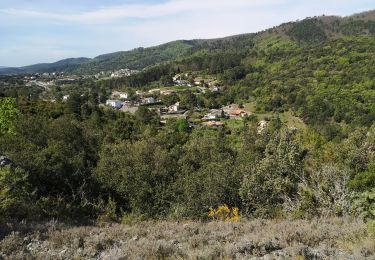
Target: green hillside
{"x": 138, "y": 58}
{"x": 326, "y": 81}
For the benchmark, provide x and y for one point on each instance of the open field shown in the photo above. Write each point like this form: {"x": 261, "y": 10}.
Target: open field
{"x": 286, "y": 117}
{"x": 256, "y": 239}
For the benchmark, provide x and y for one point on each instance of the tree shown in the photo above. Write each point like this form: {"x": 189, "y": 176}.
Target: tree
{"x": 182, "y": 126}
{"x": 73, "y": 104}
{"x": 15, "y": 194}
{"x": 8, "y": 114}
{"x": 324, "y": 192}
{"x": 206, "y": 179}
{"x": 146, "y": 116}
{"x": 188, "y": 100}
{"x": 140, "y": 174}
{"x": 276, "y": 176}
{"x": 169, "y": 100}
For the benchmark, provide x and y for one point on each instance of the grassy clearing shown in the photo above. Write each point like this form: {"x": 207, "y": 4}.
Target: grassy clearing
{"x": 233, "y": 123}
{"x": 334, "y": 238}
{"x": 178, "y": 88}
{"x": 287, "y": 117}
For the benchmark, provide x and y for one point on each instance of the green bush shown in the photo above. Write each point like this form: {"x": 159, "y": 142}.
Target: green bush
{"x": 274, "y": 178}
{"x": 131, "y": 219}
{"x": 140, "y": 173}
{"x": 363, "y": 181}
{"x": 364, "y": 205}
{"x": 16, "y": 196}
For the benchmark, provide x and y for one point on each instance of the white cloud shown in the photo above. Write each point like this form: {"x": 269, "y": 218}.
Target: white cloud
{"x": 53, "y": 36}
{"x": 112, "y": 13}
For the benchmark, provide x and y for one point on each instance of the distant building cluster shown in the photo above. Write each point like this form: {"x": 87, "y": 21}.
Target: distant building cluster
{"x": 123, "y": 73}
{"x": 115, "y": 73}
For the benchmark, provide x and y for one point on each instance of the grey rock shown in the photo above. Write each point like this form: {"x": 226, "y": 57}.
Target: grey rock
{"x": 5, "y": 161}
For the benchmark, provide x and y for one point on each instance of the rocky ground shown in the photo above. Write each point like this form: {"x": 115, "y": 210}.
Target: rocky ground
{"x": 255, "y": 239}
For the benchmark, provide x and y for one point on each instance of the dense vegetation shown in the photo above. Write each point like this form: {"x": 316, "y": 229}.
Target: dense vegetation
{"x": 80, "y": 161}
{"x": 75, "y": 160}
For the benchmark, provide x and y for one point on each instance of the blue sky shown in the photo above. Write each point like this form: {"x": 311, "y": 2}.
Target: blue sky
{"x": 34, "y": 31}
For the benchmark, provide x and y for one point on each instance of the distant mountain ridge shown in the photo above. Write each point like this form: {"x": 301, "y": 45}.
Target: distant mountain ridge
{"x": 308, "y": 31}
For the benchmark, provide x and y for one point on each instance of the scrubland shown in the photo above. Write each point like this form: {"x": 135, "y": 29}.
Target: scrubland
{"x": 331, "y": 238}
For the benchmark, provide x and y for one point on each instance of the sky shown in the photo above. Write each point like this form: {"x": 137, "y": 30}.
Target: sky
{"x": 36, "y": 31}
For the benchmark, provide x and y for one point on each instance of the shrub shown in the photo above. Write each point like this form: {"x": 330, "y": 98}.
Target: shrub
{"x": 363, "y": 181}
{"x": 109, "y": 212}
{"x": 275, "y": 178}
{"x": 140, "y": 174}
{"x": 207, "y": 175}
{"x": 224, "y": 213}
{"x": 131, "y": 219}
{"x": 325, "y": 192}
{"x": 8, "y": 114}
{"x": 15, "y": 193}
{"x": 364, "y": 205}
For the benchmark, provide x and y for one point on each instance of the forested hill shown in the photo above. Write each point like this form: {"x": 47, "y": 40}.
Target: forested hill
{"x": 309, "y": 31}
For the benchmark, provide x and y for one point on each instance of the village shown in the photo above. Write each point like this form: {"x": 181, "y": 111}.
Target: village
{"x": 164, "y": 100}
{"x": 49, "y": 79}
{"x": 153, "y": 100}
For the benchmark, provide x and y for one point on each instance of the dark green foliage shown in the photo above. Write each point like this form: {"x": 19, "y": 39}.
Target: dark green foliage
{"x": 188, "y": 100}
{"x": 358, "y": 27}
{"x": 169, "y": 100}
{"x": 73, "y": 105}
{"x": 364, "y": 181}
{"x": 307, "y": 31}
{"x": 140, "y": 173}
{"x": 206, "y": 178}
{"x": 235, "y": 74}
{"x": 364, "y": 206}
{"x": 138, "y": 58}
{"x": 182, "y": 126}
{"x": 145, "y": 116}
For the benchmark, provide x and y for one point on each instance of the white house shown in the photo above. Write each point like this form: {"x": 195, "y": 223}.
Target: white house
{"x": 214, "y": 114}
{"x": 114, "y": 103}
{"x": 167, "y": 92}
{"x": 122, "y": 95}
{"x": 175, "y": 107}
{"x": 261, "y": 126}
{"x": 149, "y": 100}
{"x": 65, "y": 98}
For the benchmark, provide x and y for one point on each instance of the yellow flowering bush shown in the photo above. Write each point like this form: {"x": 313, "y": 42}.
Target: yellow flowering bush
{"x": 224, "y": 213}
